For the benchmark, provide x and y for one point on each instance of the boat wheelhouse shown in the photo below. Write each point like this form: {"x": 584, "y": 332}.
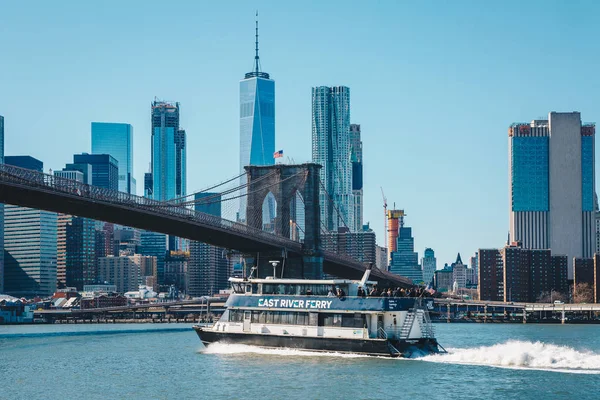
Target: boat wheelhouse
{"x": 323, "y": 315}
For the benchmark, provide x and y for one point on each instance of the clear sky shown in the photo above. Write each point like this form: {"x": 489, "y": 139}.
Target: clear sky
{"x": 434, "y": 85}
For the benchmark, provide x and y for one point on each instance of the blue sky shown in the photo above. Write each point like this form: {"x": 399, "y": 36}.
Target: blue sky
{"x": 434, "y": 84}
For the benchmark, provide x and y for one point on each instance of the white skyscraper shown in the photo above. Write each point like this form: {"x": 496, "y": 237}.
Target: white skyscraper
{"x": 551, "y": 185}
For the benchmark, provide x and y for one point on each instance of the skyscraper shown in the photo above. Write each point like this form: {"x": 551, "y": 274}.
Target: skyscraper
{"x": 80, "y": 252}
{"x": 104, "y": 167}
{"x": 208, "y": 267}
{"x": 155, "y": 244}
{"x": 331, "y": 147}
{"x": 61, "y": 233}
{"x": 117, "y": 140}
{"x": 257, "y": 124}
{"x": 168, "y": 166}
{"x": 357, "y": 175}
{"x": 405, "y": 261}
{"x": 551, "y": 184}
{"x": 428, "y": 265}
{"x": 29, "y": 244}
{"x": 1, "y": 210}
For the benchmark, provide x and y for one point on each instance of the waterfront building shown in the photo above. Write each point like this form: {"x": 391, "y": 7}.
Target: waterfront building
{"x": 99, "y": 288}
{"x": 104, "y": 167}
{"x": 471, "y": 278}
{"x": 103, "y": 301}
{"x": 381, "y": 258}
{"x": 357, "y": 175}
{"x": 123, "y": 272}
{"x": 331, "y": 148}
{"x": 405, "y": 261}
{"x": 360, "y": 245}
{"x": 80, "y": 252}
{"x": 490, "y": 285}
{"x": 551, "y": 185}
{"x": 1, "y": 210}
{"x": 29, "y": 244}
{"x": 429, "y": 265}
{"x": 208, "y": 266}
{"x": 584, "y": 271}
{"x": 116, "y": 139}
{"x": 516, "y": 274}
{"x": 148, "y": 274}
{"x": 459, "y": 274}
{"x": 515, "y": 268}
{"x": 154, "y": 244}
{"x": 596, "y": 278}
{"x": 168, "y": 165}
{"x": 443, "y": 279}
{"x": 176, "y": 270}
{"x": 257, "y": 127}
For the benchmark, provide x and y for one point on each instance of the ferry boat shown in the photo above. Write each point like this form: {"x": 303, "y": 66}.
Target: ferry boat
{"x": 305, "y": 314}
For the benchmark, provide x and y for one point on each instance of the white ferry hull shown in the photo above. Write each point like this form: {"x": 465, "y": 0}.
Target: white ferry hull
{"x": 375, "y": 347}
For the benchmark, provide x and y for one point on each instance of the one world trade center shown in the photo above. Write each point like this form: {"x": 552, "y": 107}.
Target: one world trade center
{"x": 257, "y": 129}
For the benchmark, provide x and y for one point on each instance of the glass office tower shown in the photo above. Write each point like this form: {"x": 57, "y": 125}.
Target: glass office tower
{"x": 117, "y": 140}
{"x": 257, "y": 126}
{"x": 104, "y": 169}
{"x": 29, "y": 244}
{"x": 168, "y": 166}
{"x": 331, "y": 147}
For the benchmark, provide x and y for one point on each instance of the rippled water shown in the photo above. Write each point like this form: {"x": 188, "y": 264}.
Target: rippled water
{"x": 167, "y": 361}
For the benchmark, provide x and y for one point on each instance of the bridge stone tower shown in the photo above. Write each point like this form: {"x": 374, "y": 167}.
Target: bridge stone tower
{"x": 283, "y": 181}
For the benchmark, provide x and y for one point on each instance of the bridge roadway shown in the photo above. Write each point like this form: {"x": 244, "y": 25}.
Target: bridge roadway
{"x": 35, "y": 189}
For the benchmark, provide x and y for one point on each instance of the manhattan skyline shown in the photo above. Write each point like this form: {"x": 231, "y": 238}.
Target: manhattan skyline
{"x": 434, "y": 88}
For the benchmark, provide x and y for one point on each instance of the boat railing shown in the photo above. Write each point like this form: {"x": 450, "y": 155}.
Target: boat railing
{"x": 381, "y": 333}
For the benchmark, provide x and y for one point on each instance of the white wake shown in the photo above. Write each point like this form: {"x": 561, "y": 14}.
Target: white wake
{"x": 223, "y": 348}
{"x": 524, "y": 355}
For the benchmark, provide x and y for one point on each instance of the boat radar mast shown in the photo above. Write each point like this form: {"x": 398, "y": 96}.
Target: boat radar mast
{"x": 256, "y": 73}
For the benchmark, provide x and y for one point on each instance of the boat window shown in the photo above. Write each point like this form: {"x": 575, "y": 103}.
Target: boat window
{"x": 280, "y": 317}
{"x": 313, "y": 319}
{"x": 236, "y": 316}
{"x": 225, "y": 316}
{"x": 354, "y": 321}
{"x": 330, "y": 320}
{"x": 237, "y": 287}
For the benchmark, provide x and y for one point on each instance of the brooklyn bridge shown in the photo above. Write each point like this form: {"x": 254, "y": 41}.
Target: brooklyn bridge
{"x": 293, "y": 187}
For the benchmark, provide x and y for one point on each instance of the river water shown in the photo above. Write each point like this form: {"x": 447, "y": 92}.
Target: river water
{"x": 167, "y": 361}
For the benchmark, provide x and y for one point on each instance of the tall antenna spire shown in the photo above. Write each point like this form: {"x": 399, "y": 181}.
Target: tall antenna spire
{"x": 256, "y": 73}
{"x": 256, "y": 59}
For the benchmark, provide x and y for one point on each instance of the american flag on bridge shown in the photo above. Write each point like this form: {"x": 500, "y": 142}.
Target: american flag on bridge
{"x": 278, "y": 154}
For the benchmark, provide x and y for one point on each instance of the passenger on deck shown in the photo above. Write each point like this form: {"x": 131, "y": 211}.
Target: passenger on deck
{"x": 384, "y": 293}
{"x": 374, "y": 291}
{"x": 361, "y": 292}
{"x": 340, "y": 293}
{"x": 389, "y": 292}
{"x": 308, "y": 292}
{"x": 331, "y": 292}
